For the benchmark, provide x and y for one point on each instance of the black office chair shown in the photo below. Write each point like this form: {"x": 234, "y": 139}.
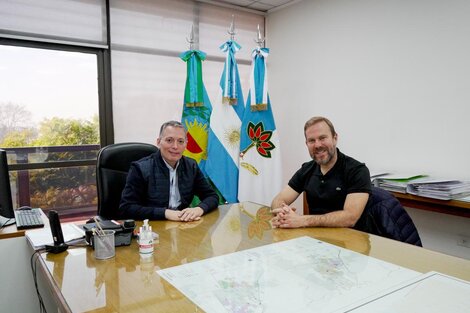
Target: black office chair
{"x": 390, "y": 218}
{"x": 111, "y": 172}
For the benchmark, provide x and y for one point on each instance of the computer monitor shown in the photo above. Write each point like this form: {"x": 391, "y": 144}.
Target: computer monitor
{"x": 7, "y": 215}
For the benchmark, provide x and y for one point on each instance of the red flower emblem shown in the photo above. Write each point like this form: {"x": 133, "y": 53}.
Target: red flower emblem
{"x": 260, "y": 138}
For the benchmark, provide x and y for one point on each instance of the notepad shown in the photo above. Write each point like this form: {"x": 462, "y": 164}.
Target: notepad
{"x": 39, "y": 238}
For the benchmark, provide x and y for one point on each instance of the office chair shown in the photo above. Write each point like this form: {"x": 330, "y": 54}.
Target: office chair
{"x": 390, "y": 218}
{"x": 112, "y": 166}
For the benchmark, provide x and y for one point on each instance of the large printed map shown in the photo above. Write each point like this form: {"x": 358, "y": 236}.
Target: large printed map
{"x": 298, "y": 275}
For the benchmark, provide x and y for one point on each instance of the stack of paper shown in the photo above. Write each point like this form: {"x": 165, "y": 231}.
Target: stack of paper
{"x": 396, "y": 183}
{"x": 440, "y": 189}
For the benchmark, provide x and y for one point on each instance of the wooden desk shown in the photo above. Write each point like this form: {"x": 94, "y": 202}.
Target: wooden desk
{"x": 126, "y": 283}
{"x": 453, "y": 207}
{"x": 11, "y": 231}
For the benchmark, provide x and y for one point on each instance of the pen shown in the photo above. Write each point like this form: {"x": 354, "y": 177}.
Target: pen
{"x": 101, "y": 231}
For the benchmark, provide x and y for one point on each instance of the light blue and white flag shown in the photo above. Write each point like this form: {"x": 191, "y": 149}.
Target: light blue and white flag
{"x": 260, "y": 176}
{"x": 224, "y": 133}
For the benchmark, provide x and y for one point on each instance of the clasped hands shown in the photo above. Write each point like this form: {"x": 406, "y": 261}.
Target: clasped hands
{"x": 286, "y": 217}
{"x": 185, "y": 215}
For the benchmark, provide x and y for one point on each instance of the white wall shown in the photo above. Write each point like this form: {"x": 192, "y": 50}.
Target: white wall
{"x": 442, "y": 232}
{"x": 393, "y": 76}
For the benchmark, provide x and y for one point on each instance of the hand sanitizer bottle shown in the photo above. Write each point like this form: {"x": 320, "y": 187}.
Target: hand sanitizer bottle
{"x": 146, "y": 240}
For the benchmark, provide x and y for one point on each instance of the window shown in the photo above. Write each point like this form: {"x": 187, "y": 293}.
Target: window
{"x": 49, "y": 123}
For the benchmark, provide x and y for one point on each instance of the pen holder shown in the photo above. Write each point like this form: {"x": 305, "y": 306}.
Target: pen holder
{"x": 104, "y": 245}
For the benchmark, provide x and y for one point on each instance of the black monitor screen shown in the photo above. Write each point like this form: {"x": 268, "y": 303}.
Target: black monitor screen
{"x": 6, "y": 205}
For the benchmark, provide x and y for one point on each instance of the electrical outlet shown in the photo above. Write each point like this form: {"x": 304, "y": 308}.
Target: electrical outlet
{"x": 463, "y": 241}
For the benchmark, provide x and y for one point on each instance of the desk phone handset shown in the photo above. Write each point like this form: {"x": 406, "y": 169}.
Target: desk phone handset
{"x": 57, "y": 235}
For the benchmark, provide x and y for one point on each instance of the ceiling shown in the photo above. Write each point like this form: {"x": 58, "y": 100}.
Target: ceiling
{"x": 258, "y": 5}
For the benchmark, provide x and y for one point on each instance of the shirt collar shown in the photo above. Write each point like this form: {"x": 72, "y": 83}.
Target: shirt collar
{"x": 169, "y": 166}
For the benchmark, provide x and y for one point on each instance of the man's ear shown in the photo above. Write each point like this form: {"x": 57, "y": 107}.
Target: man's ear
{"x": 158, "y": 142}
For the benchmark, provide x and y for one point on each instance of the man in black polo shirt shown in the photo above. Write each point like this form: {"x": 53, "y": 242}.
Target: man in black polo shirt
{"x": 337, "y": 186}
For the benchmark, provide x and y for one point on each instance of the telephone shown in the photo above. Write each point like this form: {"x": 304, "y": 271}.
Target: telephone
{"x": 123, "y": 231}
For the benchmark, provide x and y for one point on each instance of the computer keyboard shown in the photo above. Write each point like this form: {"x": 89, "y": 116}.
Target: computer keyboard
{"x": 29, "y": 218}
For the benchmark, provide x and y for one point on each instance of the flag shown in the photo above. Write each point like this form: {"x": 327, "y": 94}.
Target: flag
{"x": 196, "y": 108}
{"x": 260, "y": 176}
{"x": 224, "y": 132}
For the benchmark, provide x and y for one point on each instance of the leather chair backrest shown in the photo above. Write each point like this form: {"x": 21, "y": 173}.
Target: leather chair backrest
{"x": 112, "y": 166}
{"x": 391, "y": 219}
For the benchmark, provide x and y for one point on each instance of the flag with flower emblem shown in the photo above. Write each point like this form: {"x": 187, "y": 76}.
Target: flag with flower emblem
{"x": 196, "y": 109}
{"x": 224, "y": 134}
{"x": 260, "y": 176}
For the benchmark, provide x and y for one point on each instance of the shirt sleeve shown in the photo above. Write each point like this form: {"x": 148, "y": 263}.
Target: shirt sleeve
{"x": 359, "y": 179}
{"x": 297, "y": 182}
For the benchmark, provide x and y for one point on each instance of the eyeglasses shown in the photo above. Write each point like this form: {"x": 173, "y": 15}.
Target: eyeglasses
{"x": 171, "y": 141}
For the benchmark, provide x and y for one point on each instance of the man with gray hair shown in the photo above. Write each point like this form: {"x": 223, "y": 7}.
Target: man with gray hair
{"x": 162, "y": 185}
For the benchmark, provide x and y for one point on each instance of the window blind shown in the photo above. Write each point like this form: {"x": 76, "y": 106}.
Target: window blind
{"x": 147, "y": 37}
{"x": 77, "y": 22}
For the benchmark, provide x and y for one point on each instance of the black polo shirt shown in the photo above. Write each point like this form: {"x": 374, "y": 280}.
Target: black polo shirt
{"x": 327, "y": 193}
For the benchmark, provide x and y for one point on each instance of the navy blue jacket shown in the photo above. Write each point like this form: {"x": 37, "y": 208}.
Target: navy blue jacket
{"x": 389, "y": 218}
{"x": 147, "y": 191}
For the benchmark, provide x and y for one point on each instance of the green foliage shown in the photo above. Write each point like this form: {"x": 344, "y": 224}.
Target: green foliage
{"x": 66, "y": 132}
{"x": 55, "y": 132}
{"x": 66, "y": 187}
{"x": 19, "y": 138}
{"x": 59, "y": 187}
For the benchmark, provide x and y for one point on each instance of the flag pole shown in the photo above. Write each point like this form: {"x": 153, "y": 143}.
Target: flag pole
{"x": 231, "y": 30}
{"x": 190, "y": 40}
{"x": 259, "y": 40}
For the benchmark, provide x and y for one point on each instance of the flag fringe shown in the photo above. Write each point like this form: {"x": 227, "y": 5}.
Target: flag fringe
{"x": 194, "y": 104}
{"x": 259, "y": 107}
{"x": 231, "y": 101}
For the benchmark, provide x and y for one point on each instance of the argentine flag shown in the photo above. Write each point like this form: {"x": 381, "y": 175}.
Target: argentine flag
{"x": 224, "y": 133}
{"x": 260, "y": 177}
